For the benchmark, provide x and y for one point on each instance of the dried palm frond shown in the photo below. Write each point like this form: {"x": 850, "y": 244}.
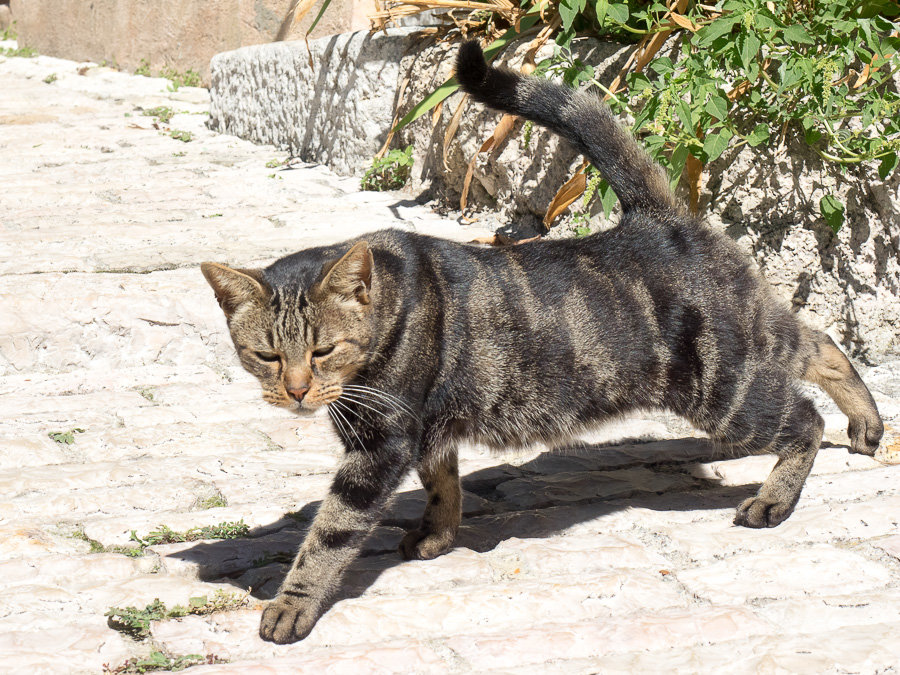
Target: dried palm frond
{"x": 389, "y": 11}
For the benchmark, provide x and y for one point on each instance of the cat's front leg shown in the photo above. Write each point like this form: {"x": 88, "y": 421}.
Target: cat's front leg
{"x": 362, "y": 485}
{"x": 443, "y": 510}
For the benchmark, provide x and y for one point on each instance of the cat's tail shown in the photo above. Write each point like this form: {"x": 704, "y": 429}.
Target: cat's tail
{"x": 582, "y": 119}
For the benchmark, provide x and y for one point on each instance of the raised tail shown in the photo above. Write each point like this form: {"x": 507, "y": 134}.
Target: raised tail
{"x": 580, "y": 118}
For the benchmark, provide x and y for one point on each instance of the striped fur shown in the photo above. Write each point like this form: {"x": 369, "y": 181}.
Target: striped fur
{"x": 415, "y": 343}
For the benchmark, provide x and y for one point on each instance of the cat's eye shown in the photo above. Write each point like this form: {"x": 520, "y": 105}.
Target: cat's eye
{"x": 268, "y": 357}
{"x": 322, "y": 351}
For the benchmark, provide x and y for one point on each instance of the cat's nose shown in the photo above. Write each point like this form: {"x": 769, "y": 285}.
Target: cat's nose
{"x": 298, "y": 393}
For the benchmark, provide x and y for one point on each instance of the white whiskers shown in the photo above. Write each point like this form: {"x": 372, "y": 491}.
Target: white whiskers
{"x": 383, "y": 396}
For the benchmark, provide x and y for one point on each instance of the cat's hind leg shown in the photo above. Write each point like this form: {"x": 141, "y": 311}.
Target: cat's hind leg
{"x": 443, "y": 511}
{"x": 831, "y": 370}
{"x": 796, "y": 444}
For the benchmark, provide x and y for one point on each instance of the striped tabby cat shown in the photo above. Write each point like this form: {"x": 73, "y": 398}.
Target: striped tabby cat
{"x": 413, "y": 344}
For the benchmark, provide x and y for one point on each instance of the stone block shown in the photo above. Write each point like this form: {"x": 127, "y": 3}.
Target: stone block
{"x": 330, "y": 103}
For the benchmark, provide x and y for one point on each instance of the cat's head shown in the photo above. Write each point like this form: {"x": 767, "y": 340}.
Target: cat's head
{"x": 302, "y": 344}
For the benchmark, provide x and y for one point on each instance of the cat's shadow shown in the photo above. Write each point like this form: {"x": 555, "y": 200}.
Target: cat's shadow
{"x": 537, "y": 499}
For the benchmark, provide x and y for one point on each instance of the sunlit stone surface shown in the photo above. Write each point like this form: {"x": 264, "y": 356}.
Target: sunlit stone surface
{"x": 620, "y": 560}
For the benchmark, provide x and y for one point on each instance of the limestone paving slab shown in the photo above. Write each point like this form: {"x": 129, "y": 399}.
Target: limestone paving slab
{"x": 614, "y": 554}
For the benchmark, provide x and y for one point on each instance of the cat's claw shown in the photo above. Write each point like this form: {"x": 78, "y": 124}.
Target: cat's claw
{"x": 285, "y": 622}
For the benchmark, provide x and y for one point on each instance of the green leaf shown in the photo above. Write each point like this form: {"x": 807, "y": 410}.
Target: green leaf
{"x": 887, "y": 165}
{"x": 618, "y": 13}
{"x": 654, "y": 143}
{"x": 760, "y": 134}
{"x": 749, "y": 46}
{"x": 318, "y": 16}
{"x": 812, "y": 136}
{"x": 718, "y": 105}
{"x": 721, "y": 26}
{"x": 600, "y": 10}
{"x": 676, "y": 164}
{"x": 832, "y": 211}
{"x": 662, "y": 65}
{"x": 683, "y": 108}
{"x": 569, "y": 9}
{"x": 428, "y": 103}
{"x": 797, "y": 35}
{"x": 764, "y": 21}
{"x": 715, "y": 143}
{"x": 607, "y": 197}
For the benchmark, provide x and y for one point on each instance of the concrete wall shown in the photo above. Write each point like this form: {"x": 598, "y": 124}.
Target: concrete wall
{"x": 179, "y": 34}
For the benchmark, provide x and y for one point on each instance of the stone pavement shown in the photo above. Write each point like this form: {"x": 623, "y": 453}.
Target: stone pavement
{"x": 614, "y": 561}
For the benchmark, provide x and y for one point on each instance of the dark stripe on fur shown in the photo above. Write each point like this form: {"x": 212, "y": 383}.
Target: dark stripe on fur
{"x": 337, "y": 538}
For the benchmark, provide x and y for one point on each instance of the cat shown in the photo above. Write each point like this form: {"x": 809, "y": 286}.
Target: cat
{"x": 413, "y": 344}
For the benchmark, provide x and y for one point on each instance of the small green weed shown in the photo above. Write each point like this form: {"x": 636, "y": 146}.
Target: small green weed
{"x": 213, "y": 215}
{"x": 180, "y": 153}
{"x": 147, "y": 393}
{"x": 162, "y": 661}
{"x": 582, "y": 231}
{"x": 136, "y": 622}
{"x": 189, "y": 78}
{"x": 581, "y": 223}
{"x": 26, "y": 52}
{"x": 275, "y": 163}
{"x": 221, "y": 601}
{"x": 130, "y": 551}
{"x": 166, "y": 535}
{"x": 50, "y": 79}
{"x": 143, "y": 69}
{"x": 65, "y": 437}
{"x": 389, "y": 172}
{"x": 213, "y": 502}
{"x": 96, "y": 546}
{"x": 9, "y": 33}
{"x": 162, "y": 113}
{"x": 183, "y": 136}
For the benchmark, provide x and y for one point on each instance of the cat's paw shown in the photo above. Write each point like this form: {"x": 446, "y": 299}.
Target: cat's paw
{"x": 285, "y": 621}
{"x": 762, "y": 512}
{"x": 419, "y": 544}
{"x": 865, "y": 434}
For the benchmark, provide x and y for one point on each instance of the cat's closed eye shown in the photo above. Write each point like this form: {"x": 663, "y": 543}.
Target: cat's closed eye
{"x": 268, "y": 357}
{"x": 319, "y": 352}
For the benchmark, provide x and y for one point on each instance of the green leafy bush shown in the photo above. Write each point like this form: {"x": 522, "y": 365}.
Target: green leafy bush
{"x": 389, "y": 172}
{"x": 734, "y": 73}
{"x": 756, "y": 72}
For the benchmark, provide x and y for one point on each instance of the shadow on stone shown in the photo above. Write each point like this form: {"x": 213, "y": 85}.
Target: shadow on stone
{"x": 537, "y": 499}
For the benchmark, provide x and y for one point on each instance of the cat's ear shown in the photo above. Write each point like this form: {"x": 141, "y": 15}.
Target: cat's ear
{"x": 233, "y": 288}
{"x": 351, "y": 276}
